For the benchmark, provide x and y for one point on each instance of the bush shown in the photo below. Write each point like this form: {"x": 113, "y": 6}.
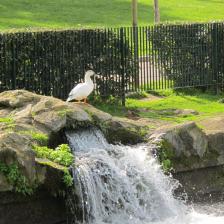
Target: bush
{"x": 61, "y": 155}
{"x": 192, "y": 54}
{"x": 51, "y": 62}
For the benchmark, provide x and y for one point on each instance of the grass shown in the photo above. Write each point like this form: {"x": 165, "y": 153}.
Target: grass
{"x": 64, "y": 14}
{"x": 206, "y": 104}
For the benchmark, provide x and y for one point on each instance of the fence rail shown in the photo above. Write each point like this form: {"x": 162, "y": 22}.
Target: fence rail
{"x": 125, "y": 59}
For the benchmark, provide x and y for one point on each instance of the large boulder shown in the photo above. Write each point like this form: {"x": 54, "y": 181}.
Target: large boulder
{"x": 188, "y": 147}
{"x": 194, "y": 154}
{"x": 24, "y": 114}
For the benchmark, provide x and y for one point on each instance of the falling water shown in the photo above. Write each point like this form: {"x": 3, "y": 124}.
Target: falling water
{"x": 125, "y": 185}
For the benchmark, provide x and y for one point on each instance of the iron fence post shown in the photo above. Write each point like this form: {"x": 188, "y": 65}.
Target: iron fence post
{"x": 13, "y": 64}
{"x": 122, "y": 46}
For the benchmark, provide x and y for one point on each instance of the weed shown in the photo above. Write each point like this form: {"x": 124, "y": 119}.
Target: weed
{"x": 16, "y": 178}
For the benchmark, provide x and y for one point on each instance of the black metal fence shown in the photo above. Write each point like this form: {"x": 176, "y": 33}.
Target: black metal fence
{"x": 125, "y": 59}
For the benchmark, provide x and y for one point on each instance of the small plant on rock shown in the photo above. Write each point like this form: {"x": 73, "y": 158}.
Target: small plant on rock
{"x": 61, "y": 155}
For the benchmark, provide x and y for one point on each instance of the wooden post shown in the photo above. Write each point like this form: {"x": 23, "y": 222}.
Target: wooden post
{"x": 156, "y": 11}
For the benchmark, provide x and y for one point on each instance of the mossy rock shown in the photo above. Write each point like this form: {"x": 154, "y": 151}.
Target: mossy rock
{"x": 123, "y": 131}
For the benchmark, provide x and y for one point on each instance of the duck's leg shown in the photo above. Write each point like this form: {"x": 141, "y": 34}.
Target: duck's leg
{"x": 85, "y": 100}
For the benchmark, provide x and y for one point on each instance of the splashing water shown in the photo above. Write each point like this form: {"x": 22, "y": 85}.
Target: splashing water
{"x": 125, "y": 185}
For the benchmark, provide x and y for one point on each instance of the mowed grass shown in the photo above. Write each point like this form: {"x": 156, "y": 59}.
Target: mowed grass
{"x": 206, "y": 104}
{"x": 38, "y": 14}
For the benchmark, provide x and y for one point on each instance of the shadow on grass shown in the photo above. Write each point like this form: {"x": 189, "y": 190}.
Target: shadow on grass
{"x": 71, "y": 13}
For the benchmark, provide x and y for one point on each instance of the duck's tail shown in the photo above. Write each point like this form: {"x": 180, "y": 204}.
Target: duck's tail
{"x": 69, "y": 99}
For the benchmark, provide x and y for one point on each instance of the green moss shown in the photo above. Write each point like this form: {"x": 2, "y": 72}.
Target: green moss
{"x": 16, "y": 179}
{"x": 33, "y": 114}
{"x": 63, "y": 113}
{"x": 61, "y": 155}
{"x": 6, "y": 120}
{"x": 40, "y": 138}
{"x": 166, "y": 155}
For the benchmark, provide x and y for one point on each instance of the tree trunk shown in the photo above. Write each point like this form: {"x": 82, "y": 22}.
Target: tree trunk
{"x": 134, "y": 13}
{"x": 156, "y": 11}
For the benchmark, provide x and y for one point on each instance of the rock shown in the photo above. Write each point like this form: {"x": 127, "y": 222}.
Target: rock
{"x": 221, "y": 100}
{"x": 186, "y": 139}
{"x": 132, "y": 115}
{"x": 4, "y": 184}
{"x": 17, "y": 98}
{"x": 187, "y": 144}
{"x": 185, "y": 112}
{"x": 48, "y": 116}
{"x": 15, "y": 148}
{"x": 124, "y": 131}
{"x": 97, "y": 115}
{"x": 171, "y": 112}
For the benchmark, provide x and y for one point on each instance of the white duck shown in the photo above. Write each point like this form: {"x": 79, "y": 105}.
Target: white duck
{"x": 82, "y": 90}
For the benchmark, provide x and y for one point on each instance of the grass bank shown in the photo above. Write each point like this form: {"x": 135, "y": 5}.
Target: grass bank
{"x": 64, "y": 14}
{"x": 171, "y": 106}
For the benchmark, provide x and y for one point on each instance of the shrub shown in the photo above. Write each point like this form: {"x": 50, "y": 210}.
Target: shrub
{"x": 191, "y": 54}
{"x": 61, "y": 155}
{"x": 52, "y": 62}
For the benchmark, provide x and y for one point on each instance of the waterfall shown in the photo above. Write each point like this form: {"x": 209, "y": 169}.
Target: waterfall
{"x": 124, "y": 184}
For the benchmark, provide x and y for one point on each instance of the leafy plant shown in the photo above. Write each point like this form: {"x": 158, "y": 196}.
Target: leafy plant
{"x": 165, "y": 155}
{"x": 61, "y": 155}
{"x": 16, "y": 178}
{"x": 67, "y": 178}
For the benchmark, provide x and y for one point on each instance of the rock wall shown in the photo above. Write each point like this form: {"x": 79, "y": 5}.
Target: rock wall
{"x": 27, "y": 119}
{"x": 40, "y": 208}
{"x": 195, "y": 156}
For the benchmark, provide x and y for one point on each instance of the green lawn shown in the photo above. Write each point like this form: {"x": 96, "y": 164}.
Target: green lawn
{"x": 101, "y": 13}
{"x": 206, "y": 104}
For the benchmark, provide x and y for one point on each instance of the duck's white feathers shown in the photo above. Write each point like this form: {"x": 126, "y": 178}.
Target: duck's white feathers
{"x": 81, "y": 91}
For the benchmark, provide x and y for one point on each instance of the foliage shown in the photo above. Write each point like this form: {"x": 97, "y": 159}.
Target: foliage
{"x": 16, "y": 178}
{"x": 165, "y": 155}
{"x": 67, "y": 179}
{"x": 61, "y": 155}
{"x": 40, "y": 138}
{"x": 74, "y": 52}
{"x": 191, "y": 55}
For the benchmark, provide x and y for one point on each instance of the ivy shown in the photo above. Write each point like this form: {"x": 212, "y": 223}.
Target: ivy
{"x": 16, "y": 178}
